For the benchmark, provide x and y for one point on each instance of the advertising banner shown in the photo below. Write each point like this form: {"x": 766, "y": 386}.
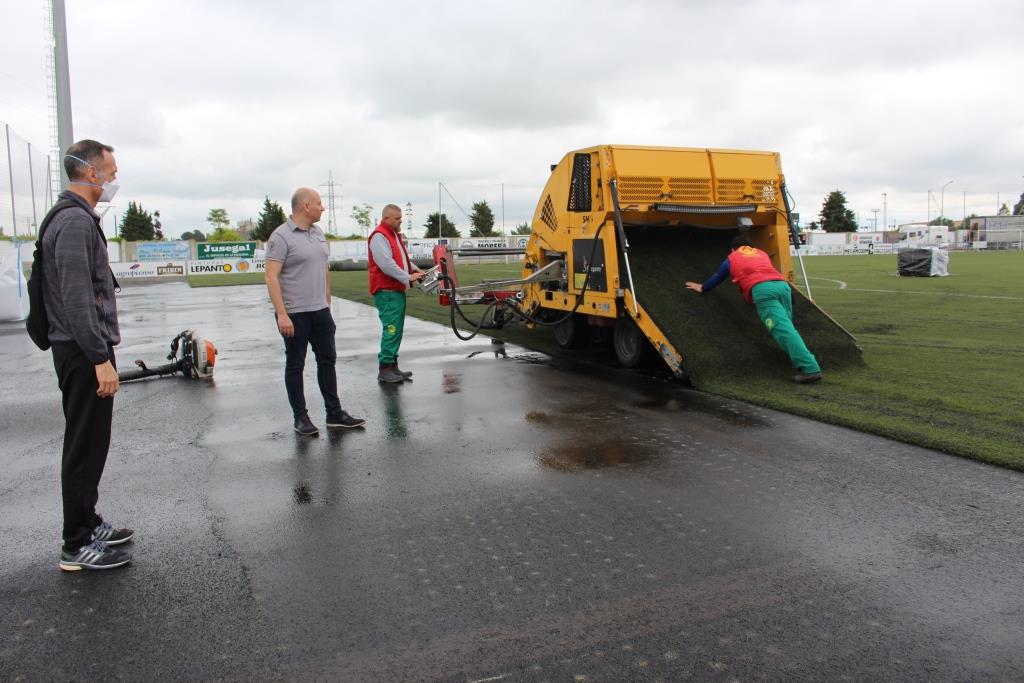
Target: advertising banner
{"x": 225, "y": 250}
{"x": 136, "y": 269}
{"x": 227, "y": 266}
{"x": 163, "y": 251}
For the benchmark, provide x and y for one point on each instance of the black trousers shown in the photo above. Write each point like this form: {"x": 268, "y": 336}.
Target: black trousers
{"x": 316, "y": 329}
{"x": 87, "y": 420}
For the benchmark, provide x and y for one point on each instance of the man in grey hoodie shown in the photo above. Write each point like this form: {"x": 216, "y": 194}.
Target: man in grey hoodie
{"x": 78, "y": 291}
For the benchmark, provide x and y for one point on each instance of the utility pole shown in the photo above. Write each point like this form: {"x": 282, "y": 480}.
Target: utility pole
{"x": 875, "y": 211}
{"x": 59, "y": 91}
{"x": 408, "y": 218}
{"x": 10, "y": 176}
{"x": 942, "y": 201}
{"x": 885, "y": 211}
{"x": 332, "y": 221}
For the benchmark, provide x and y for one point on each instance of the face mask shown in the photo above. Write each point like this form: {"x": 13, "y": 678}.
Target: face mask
{"x": 109, "y": 188}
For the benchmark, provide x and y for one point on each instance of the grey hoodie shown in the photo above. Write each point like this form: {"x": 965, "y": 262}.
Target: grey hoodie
{"x": 78, "y": 286}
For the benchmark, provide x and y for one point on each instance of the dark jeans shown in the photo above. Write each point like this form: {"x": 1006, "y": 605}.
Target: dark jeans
{"x": 316, "y": 329}
{"x": 86, "y": 440}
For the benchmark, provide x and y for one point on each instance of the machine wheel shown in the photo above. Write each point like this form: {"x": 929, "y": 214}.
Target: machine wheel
{"x": 572, "y": 333}
{"x": 631, "y": 346}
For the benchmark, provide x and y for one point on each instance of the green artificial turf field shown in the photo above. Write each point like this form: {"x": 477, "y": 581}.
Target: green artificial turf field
{"x": 942, "y": 357}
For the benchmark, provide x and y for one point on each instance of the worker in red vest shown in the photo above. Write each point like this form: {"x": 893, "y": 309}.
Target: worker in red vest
{"x": 391, "y": 273}
{"x": 764, "y": 287}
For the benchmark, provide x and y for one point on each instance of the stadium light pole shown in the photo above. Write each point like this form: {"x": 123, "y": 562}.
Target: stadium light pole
{"x": 942, "y": 201}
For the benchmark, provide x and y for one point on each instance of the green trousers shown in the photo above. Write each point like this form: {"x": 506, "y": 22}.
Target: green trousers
{"x": 774, "y": 303}
{"x": 391, "y": 311}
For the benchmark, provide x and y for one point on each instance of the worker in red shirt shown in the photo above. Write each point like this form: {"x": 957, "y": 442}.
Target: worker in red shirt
{"x": 763, "y": 286}
{"x": 391, "y": 273}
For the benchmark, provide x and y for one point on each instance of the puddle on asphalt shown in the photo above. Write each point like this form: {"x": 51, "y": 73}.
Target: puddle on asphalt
{"x": 590, "y": 455}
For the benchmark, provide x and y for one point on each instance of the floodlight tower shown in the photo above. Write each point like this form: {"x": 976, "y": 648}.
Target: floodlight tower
{"x": 58, "y": 83}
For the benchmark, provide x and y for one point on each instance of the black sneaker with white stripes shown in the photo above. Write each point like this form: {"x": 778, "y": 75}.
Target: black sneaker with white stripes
{"x": 96, "y": 555}
{"x": 111, "y": 536}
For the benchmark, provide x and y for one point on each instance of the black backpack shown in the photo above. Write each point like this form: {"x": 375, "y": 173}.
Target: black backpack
{"x": 37, "y": 324}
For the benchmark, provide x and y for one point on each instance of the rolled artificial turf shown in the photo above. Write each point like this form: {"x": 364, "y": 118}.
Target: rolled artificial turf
{"x": 717, "y": 333}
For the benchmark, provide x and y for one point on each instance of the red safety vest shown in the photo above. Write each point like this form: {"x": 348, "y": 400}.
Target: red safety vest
{"x": 748, "y": 267}
{"x": 379, "y": 280}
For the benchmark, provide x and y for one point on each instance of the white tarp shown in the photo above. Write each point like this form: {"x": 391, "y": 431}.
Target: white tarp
{"x": 922, "y": 262}
{"x": 13, "y": 286}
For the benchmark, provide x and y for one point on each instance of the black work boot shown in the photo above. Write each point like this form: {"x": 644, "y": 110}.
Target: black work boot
{"x": 807, "y": 377}
{"x": 390, "y": 374}
{"x": 404, "y": 373}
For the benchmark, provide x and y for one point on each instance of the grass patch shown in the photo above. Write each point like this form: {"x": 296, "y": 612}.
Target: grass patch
{"x": 225, "y": 280}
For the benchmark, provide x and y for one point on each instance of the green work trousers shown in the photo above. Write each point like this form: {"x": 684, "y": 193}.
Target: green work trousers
{"x": 774, "y": 303}
{"x": 391, "y": 310}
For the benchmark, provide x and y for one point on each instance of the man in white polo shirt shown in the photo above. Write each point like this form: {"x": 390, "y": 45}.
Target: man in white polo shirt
{"x": 298, "y": 280}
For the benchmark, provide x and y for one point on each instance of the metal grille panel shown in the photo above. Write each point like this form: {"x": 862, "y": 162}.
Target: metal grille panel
{"x": 646, "y": 189}
{"x": 690, "y": 190}
{"x": 758, "y": 191}
{"x": 638, "y": 189}
{"x": 733, "y": 190}
{"x": 547, "y": 214}
{"x": 579, "y": 192}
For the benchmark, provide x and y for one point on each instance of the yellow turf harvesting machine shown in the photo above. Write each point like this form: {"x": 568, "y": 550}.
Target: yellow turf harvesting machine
{"x": 618, "y": 228}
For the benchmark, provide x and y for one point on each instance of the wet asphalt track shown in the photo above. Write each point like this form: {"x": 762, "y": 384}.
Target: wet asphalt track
{"x": 500, "y": 519}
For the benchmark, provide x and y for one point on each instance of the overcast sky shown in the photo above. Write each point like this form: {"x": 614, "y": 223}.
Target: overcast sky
{"x": 216, "y": 104}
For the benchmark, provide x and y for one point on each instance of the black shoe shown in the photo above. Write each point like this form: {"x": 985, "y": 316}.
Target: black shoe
{"x": 111, "y": 536}
{"x": 96, "y": 555}
{"x": 404, "y": 373}
{"x": 304, "y": 426}
{"x": 807, "y": 377}
{"x": 389, "y": 373}
{"x": 344, "y": 421}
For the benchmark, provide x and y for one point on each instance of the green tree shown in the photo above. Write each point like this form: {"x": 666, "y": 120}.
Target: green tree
{"x": 966, "y": 224}
{"x": 1018, "y": 208}
{"x": 1004, "y": 210}
{"x": 940, "y": 220}
{"x": 522, "y": 229}
{"x": 362, "y": 215}
{"x": 218, "y": 218}
{"x": 835, "y": 217}
{"x": 137, "y": 224}
{"x": 271, "y": 216}
{"x": 158, "y": 227}
{"x": 482, "y": 219}
{"x": 196, "y": 235}
{"x": 448, "y": 228}
{"x": 224, "y": 235}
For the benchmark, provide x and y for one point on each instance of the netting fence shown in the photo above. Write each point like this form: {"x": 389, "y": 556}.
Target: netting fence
{"x": 26, "y": 193}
